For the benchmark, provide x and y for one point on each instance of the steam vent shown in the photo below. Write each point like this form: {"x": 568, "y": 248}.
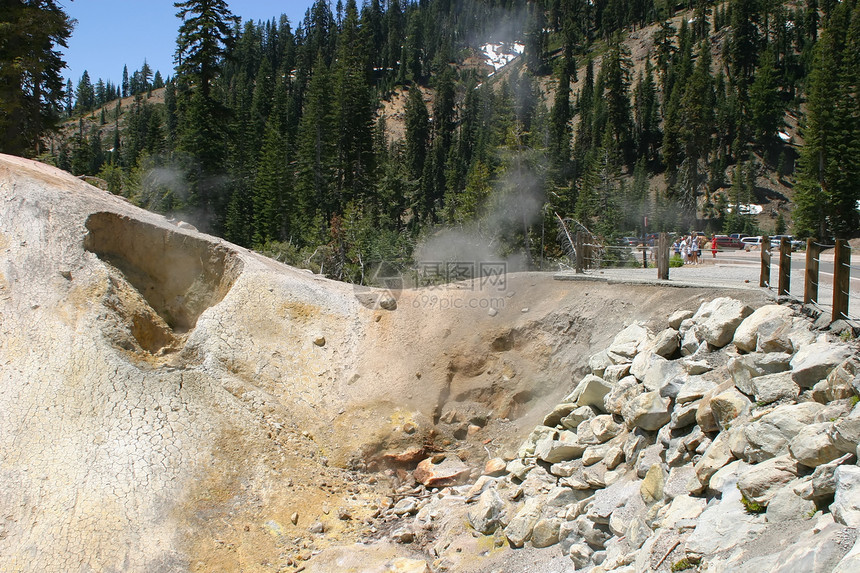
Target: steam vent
{"x": 173, "y": 402}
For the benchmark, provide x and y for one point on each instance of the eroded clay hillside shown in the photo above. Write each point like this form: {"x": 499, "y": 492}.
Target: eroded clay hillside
{"x": 172, "y": 402}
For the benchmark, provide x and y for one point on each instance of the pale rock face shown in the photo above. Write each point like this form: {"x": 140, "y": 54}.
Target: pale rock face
{"x": 744, "y": 368}
{"x": 545, "y": 532}
{"x": 769, "y": 436}
{"x": 728, "y": 405}
{"x": 666, "y": 343}
{"x": 654, "y": 371}
{"x": 716, "y": 456}
{"x": 786, "y": 505}
{"x": 846, "y": 431}
{"x": 842, "y": 382}
{"x": 566, "y": 447}
{"x": 705, "y": 414}
{"x": 723, "y": 526}
{"x": 576, "y": 417}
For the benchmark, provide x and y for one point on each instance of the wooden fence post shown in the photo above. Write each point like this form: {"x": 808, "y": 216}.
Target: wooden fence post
{"x": 663, "y": 257}
{"x": 810, "y": 283}
{"x": 764, "y": 279}
{"x": 580, "y": 253}
{"x": 841, "y": 279}
{"x": 784, "y": 266}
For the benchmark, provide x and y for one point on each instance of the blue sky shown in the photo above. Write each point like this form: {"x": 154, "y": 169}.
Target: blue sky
{"x": 113, "y": 33}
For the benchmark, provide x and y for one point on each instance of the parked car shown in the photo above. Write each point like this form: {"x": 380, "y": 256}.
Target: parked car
{"x": 795, "y": 243}
{"x": 750, "y": 243}
{"x": 630, "y": 241}
{"x": 727, "y": 242}
{"x": 739, "y": 236}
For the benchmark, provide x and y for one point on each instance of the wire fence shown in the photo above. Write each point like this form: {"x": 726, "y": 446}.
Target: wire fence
{"x": 822, "y": 281}
{"x": 825, "y": 287}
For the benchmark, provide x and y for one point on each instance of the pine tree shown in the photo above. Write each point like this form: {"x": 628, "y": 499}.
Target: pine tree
{"x": 270, "y": 186}
{"x": 316, "y": 156}
{"x": 31, "y": 90}
{"x": 765, "y": 101}
{"x": 204, "y": 37}
{"x": 417, "y": 133}
{"x": 85, "y": 94}
{"x": 827, "y": 191}
{"x": 354, "y": 113}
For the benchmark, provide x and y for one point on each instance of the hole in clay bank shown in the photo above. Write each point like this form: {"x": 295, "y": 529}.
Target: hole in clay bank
{"x": 179, "y": 276}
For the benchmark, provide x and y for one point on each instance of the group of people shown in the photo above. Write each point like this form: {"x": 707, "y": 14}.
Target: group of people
{"x": 689, "y": 248}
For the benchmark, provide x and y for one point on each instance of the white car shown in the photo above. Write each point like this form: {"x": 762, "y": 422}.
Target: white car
{"x": 750, "y": 243}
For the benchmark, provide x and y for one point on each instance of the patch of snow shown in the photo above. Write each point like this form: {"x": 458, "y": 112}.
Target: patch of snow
{"x": 500, "y": 55}
{"x": 747, "y": 209}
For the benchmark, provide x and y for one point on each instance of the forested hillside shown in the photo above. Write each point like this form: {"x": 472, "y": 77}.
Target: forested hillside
{"x": 278, "y": 135}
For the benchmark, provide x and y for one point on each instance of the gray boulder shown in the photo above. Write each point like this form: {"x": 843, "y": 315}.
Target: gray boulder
{"x": 786, "y": 504}
{"x": 764, "y": 322}
{"x": 715, "y": 457}
{"x": 846, "y": 502}
{"x": 621, "y": 394}
{"x": 773, "y": 387}
{"x": 520, "y": 528}
{"x": 654, "y": 371}
{"x": 666, "y": 343}
{"x": 576, "y": 417}
{"x": 486, "y": 515}
{"x": 728, "y": 405}
{"x": 648, "y": 411}
{"x": 679, "y": 316}
{"x": 723, "y": 526}
{"x": 770, "y": 435}
{"x": 718, "y": 319}
{"x": 744, "y": 368}
{"x": 590, "y": 391}
{"x": 545, "y": 532}
{"x": 760, "y": 482}
{"x": 846, "y": 431}
{"x": 813, "y": 445}
{"x": 813, "y": 362}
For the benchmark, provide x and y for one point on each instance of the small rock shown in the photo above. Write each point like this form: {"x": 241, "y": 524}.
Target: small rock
{"x": 294, "y": 518}
{"x": 449, "y": 471}
{"x": 317, "y": 527}
{"x": 319, "y": 340}
{"x": 403, "y": 535}
{"x": 388, "y": 303}
{"x": 495, "y": 467}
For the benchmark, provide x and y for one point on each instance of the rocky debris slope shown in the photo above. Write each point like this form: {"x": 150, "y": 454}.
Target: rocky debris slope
{"x": 726, "y": 442}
